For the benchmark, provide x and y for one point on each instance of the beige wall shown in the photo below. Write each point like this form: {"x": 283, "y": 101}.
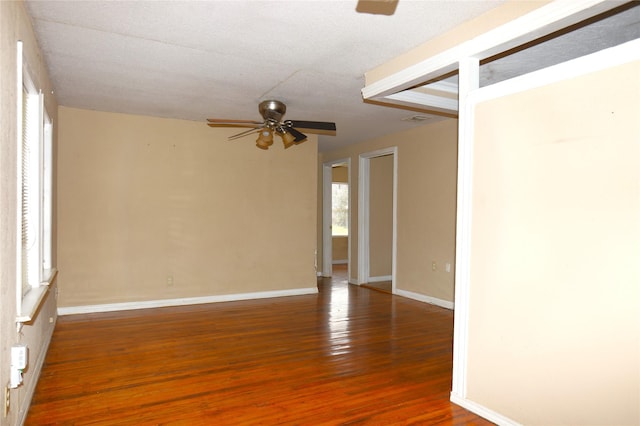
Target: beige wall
{"x": 340, "y": 248}
{"x": 554, "y": 325}
{"x": 153, "y": 209}
{"x": 427, "y": 159}
{"x": 340, "y": 174}
{"x": 15, "y": 25}
{"x": 380, "y": 216}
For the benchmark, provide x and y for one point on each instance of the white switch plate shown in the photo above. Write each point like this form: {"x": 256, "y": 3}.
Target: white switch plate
{"x": 19, "y": 357}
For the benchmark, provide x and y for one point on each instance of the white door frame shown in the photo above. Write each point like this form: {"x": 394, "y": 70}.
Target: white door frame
{"x": 327, "y": 180}
{"x": 364, "y": 186}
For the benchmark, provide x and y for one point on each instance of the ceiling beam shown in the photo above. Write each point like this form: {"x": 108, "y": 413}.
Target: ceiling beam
{"x": 540, "y": 22}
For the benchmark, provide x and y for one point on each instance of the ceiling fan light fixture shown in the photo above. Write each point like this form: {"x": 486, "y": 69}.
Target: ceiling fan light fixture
{"x": 265, "y": 140}
{"x": 287, "y": 139}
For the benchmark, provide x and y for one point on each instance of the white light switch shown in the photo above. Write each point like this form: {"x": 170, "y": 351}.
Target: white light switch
{"x": 19, "y": 357}
{"x": 18, "y": 363}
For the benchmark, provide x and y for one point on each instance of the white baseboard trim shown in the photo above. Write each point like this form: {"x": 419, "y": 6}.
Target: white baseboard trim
{"x": 380, "y": 278}
{"x": 125, "y": 306}
{"x": 424, "y": 298}
{"x": 340, "y": 262}
{"x": 483, "y": 411}
{"x": 30, "y": 387}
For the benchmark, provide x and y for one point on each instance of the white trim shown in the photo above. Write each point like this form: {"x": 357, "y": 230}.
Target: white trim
{"x": 443, "y": 86}
{"x": 412, "y": 97}
{"x": 340, "y": 262}
{"x": 424, "y": 298}
{"x": 469, "y": 82}
{"x": 394, "y": 239}
{"x": 125, "y": 306}
{"x": 483, "y": 411}
{"x": 614, "y": 56}
{"x": 363, "y": 219}
{"x": 47, "y": 188}
{"x": 19, "y": 106}
{"x": 540, "y": 22}
{"x": 30, "y": 303}
{"x": 380, "y": 278}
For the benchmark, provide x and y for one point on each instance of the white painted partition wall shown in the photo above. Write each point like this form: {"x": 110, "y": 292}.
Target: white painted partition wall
{"x": 503, "y": 272}
{"x": 396, "y": 88}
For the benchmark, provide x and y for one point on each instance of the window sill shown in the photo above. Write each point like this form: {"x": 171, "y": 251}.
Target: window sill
{"x": 33, "y": 299}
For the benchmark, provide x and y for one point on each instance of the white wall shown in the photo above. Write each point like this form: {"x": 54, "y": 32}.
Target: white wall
{"x": 554, "y": 317}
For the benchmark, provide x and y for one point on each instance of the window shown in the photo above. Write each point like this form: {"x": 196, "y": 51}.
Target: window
{"x": 35, "y": 134}
{"x": 339, "y": 209}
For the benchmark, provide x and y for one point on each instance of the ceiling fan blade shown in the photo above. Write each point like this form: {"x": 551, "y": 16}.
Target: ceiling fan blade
{"x": 299, "y": 136}
{"x": 225, "y": 121}
{"x": 315, "y": 127}
{"x": 377, "y": 7}
{"x": 254, "y": 126}
{"x": 245, "y": 133}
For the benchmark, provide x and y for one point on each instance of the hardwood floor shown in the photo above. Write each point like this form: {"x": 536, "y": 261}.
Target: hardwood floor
{"x": 383, "y": 286}
{"x": 346, "y": 356}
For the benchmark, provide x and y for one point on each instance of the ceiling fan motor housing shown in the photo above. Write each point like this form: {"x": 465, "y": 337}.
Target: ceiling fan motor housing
{"x": 272, "y": 110}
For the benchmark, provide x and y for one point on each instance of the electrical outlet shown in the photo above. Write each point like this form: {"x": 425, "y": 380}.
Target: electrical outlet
{"x": 434, "y": 266}
{"x": 169, "y": 280}
{"x": 7, "y": 400}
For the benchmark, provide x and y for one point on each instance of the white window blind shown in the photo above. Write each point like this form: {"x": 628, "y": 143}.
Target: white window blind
{"x": 47, "y": 191}
{"x": 34, "y": 175}
{"x": 30, "y": 191}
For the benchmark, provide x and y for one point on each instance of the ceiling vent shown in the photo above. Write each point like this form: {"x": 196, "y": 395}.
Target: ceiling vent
{"x": 417, "y": 118}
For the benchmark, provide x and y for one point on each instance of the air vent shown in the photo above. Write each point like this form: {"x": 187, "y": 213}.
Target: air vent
{"x": 417, "y": 118}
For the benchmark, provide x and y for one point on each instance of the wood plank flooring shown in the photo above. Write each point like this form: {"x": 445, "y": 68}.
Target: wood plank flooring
{"x": 347, "y": 356}
{"x": 383, "y": 286}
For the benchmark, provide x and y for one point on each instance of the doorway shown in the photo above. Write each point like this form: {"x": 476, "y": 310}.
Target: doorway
{"x": 377, "y": 246}
{"x": 336, "y": 178}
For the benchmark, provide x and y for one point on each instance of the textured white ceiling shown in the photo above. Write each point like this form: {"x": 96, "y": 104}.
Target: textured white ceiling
{"x": 199, "y": 59}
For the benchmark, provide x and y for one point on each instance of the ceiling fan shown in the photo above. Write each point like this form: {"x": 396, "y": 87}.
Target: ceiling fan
{"x": 377, "y": 7}
{"x": 289, "y": 130}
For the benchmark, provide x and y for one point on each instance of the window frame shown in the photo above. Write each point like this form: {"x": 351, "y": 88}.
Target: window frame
{"x": 34, "y": 267}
